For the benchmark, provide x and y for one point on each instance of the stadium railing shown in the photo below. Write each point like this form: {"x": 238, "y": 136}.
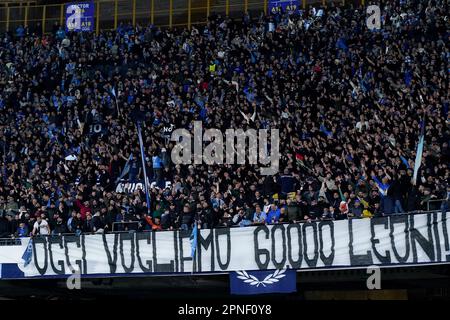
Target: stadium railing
{"x": 163, "y": 13}
{"x": 17, "y": 241}
{"x": 124, "y": 224}
{"x": 435, "y": 203}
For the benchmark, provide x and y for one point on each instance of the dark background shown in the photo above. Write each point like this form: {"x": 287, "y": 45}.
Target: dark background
{"x": 407, "y": 283}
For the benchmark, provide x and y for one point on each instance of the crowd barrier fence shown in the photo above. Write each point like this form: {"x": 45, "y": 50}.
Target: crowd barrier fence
{"x": 109, "y": 14}
{"x": 17, "y": 241}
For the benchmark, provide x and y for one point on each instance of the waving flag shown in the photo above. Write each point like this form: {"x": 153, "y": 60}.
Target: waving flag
{"x": 113, "y": 92}
{"x": 126, "y": 168}
{"x": 193, "y": 239}
{"x": 28, "y": 254}
{"x": 405, "y": 162}
{"x": 325, "y": 131}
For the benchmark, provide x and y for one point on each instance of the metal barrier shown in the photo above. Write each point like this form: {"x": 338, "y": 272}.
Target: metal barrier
{"x": 110, "y": 13}
{"x": 125, "y": 223}
{"x": 16, "y": 3}
{"x": 11, "y": 242}
{"x": 433, "y": 201}
{"x": 17, "y": 241}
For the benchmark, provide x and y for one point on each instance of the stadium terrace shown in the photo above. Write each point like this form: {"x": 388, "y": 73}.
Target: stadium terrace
{"x": 362, "y": 117}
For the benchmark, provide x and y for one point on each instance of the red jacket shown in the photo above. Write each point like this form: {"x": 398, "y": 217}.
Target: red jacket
{"x": 155, "y": 227}
{"x": 83, "y": 209}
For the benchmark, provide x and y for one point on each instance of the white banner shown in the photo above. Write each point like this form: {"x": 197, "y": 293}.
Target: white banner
{"x": 400, "y": 239}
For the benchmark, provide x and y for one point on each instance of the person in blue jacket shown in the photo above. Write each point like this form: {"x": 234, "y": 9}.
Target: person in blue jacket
{"x": 273, "y": 216}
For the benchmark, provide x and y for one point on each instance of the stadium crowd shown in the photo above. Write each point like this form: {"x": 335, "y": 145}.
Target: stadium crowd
{"x": 349, "y": 103}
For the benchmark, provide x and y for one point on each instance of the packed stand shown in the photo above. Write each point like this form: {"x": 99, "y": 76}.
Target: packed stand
{"x": 348, "y": 103}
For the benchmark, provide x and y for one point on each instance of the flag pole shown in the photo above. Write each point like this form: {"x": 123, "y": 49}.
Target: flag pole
{"x": 419, "y": 151}
{"x": 4, "y": 161}
{"x": 117, "y": 105}
{"x": 194, "y": 245}
{"x": 141, "y": 143}
{"x": 113, "y": 91}
{"x": 193, "y": 261}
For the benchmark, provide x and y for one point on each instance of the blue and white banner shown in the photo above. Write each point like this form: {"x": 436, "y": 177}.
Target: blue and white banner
{"x": 258, "y": 282}
{"x": 396, "y": 240}
{"x": 194, "y": 242}
{"x": 80, "y": 16}
{"x": 290, "y": 6}
{"x": 124, "y": 186}
{"x": 28, "y": 254}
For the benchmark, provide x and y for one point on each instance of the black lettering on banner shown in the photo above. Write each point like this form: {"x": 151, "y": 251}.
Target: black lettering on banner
{"x": 42, "y": 240}
{"x": 327, "y": 261}
{"x": 445, "y": 231}
{"x": 259, "y": 252}
{"x": 357, "y": 259}
{"x": 396, "y": 219}
{"x": 310, "y": 262}
{"x": 295, "y": 264}
{"x": 175, "y": 247}
{"x": 217, "y": 234}
{"x": 205, "y": 243}
{"x": 112, "y": 262}
{"x": 127, "y": 237}
{"x": 83, "y": 253}
{"x": 161, "y": 267}
{"x": 143, "y": 236}
{"x": 374, "y": 222}
{"x": 416, "y": 236}
{"x": 56, "y": 240}
{"x": 81, "y": 263}
{"x": 278, "y": 265}
{"x": 436, "y": 236}
{"x": 183, "y": 234}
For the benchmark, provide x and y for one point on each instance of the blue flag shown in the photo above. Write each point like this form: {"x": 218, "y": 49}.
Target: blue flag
{"x": 405, "y": 162}
{"x": 28, "y": 254}
{"x": 258, "y": 282}
{"x": 193, "y": 239}
{"x": 126, "y": 168}
{"x": 325, "y": 131}
{"x": 341, "y": 44}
